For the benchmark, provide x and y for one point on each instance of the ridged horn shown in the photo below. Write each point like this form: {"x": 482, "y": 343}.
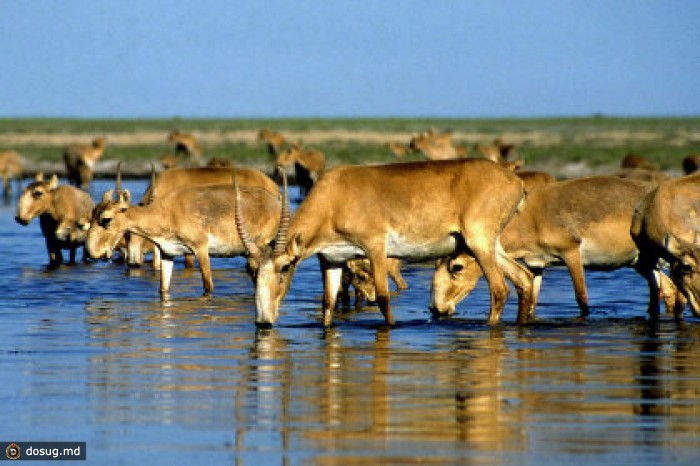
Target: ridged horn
{"x": 243, "y": 232}
{"x": 153, "y": 183}
{"x": 285, "y": 217}
{"x": 118, "y": 188}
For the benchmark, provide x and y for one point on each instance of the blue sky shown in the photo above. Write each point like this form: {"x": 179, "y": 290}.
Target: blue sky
{"x": 227, "y": 58}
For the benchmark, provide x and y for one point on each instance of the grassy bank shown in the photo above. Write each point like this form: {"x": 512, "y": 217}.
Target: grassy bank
{"x": 594, "y": 142}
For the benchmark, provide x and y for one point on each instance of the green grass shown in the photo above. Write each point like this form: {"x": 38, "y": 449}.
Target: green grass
{"x": 676, "y": 137}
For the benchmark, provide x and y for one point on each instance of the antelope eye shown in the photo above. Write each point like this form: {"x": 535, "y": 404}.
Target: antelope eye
{"x": 37, "y": 194}
{"x": 285, "y": 268}
{"x": 105, "y": 221}
{"x": 456, "y": 268}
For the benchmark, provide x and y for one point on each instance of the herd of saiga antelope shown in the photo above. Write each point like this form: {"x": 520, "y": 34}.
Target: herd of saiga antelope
{"x": 473, "y": 215}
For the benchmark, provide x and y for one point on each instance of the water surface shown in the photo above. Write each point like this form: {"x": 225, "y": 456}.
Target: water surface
{"x": 89, "y": 353}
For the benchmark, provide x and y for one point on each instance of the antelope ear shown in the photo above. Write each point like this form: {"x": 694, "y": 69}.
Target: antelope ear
{"x": 125, "y": 199}
{"x": 294, "y": 246}
{"x": 108, "y": 195}
{"x": 39, "y": 176}
{"x": 53, "y": 182}
{"x": 673, "y": 244}
{"x": 689, "y": 260}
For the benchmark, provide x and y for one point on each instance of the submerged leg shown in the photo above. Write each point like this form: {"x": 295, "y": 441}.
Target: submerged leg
{"x": 523, "y": 281}
{"x": 572, "y": 259}
{"x": 332, "y": 277}
{"x": 536, "y": 286}
{"x": 380, "y": 273}
{"x": 646, "y": 267}
{"x": 205, "y": 269}
{"x": 166, "y": 273}
{"x": 485, "y": 255}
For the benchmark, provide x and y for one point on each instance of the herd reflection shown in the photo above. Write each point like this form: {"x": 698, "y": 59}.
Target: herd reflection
{"x": 469, "y": 391}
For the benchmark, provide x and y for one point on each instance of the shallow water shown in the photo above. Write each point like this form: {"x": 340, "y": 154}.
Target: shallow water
{"x": 89, "y": 353}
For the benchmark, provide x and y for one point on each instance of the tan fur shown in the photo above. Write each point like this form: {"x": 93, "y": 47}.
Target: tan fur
{"x": 60, "y": 209}
{"x": 357, "y": 273}
{"x": 437, "y": 146}
{"x": 308, "y": 164}
{"x": 498, "y": 151}
{"x": 534, "y": 178}
{"x": 176, "y": 178}
{"x": 637, "y": 161}
{"x": 382, "y": 211}
{"x": 274, "y": 141}
{"x": 187, "y": 144}
{"x": 666, "y": 225}
{"x": 583, "y": 222}
{"x": 169, "y": 160}
{"x": 399, "y": 150}
{"x": 195, "y": 220}
{"x": 10, "y": 169}
{"x": 80, "y": 161}
{"x": 642, "y": 174}
{"x": 219, "y": 162}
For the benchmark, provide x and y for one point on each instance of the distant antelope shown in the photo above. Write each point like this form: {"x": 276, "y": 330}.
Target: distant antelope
{"x": 80, "y": 161}
{"x": 186, "y": 144}
{"x": 399, "y": 150}
{"x": 274, "y": 141}
{"x": 498, "y": 151}
{"x": 636, "y": 161}
{"x": 437, "y": 146}
{"x": 10, "y": 168}
{"x": 308, "y": 164}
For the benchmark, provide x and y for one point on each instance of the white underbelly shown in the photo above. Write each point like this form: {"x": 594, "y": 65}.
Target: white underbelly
{"x": 593, "y": 256}
{"x": 598, "y": 256}
{"x": 172, "y": 248}
{"x": 223, "y": 248}
{"x": 216, "y": 247}
{"x": 397, "y": 246}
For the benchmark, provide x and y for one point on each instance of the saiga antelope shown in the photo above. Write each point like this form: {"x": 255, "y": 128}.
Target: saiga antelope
{"x": 199, "y": 220}
{"x": 583, "y": 222}
{"x": 80, "y": 161}
{"x": 60, "y": 210}
{"x": 383, "y": 211}
{"x": 666, "y": 225}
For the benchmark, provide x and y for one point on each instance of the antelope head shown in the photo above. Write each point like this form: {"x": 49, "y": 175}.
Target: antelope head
{"x": 271, "y": 268}
{"x": 686, "y": 270}
{"x": 35, "y": 199}
{"x": 108, "y": 223}
{"x": 288, "y": 156}
{"x": 454, "y": 279}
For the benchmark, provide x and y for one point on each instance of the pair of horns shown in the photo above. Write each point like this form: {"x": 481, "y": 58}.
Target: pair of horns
{"x": 280, "y": 238}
